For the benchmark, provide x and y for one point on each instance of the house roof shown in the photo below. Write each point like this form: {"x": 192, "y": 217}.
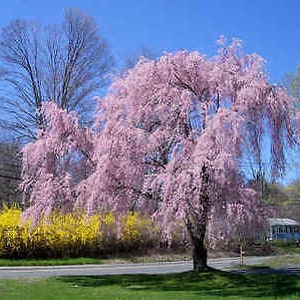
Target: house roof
{"x": 276, "y": 221}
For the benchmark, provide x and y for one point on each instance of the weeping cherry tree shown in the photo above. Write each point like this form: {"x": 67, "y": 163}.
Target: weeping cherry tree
{"x": 169, "y": 141}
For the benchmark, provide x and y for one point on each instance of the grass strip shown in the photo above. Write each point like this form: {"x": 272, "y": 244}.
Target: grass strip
{"x": 49, "y": 262}
{"x": 86, "y": 260}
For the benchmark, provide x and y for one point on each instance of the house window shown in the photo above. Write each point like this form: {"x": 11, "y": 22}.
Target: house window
{"x": 295, "y": 229}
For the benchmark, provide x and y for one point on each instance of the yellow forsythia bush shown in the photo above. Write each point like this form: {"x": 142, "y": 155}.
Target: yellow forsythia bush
{"x": 138, "y": 232}
{"x": 69, "y": 235}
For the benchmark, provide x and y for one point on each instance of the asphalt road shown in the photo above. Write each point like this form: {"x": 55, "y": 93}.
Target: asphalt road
{"x": 110, "y": 269}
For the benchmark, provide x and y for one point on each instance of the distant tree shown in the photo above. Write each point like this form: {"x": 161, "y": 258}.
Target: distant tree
{"x": 169, "y": 144}
{"x": 282, "y": 200}
{"x": 290, "y": 208}
{"x": 64, "y": 63}
{"x": 10, "y": 173}
{"x": 292, "y": 83}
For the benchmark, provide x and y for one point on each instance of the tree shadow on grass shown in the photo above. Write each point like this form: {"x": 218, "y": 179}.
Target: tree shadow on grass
{"x": 212, "y": 283}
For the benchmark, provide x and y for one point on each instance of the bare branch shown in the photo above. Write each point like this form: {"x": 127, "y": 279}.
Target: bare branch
{"x": 63, "y": 63}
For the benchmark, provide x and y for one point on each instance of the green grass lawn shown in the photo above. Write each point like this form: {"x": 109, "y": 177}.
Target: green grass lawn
{"x": 189, "y": 285}
{"x": 286, "y": 247}
{"x": 282, "y": 261}
{"x": 276, "y": 262}
{"x": 6, "y": 262}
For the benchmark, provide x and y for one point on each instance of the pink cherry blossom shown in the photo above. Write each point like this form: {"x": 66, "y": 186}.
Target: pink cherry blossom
{"x": 168, "y": 141}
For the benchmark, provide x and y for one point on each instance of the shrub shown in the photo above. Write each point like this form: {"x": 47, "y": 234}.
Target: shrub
{"x": 74, "y": 235}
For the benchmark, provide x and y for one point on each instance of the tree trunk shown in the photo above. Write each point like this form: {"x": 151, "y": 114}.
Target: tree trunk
{"x": 199, "y": 255}
{"x": 196, "y": 225}
{"x": 197, "y": 234}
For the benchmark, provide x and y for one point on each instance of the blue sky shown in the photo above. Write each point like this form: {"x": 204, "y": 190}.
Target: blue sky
{"x": 269, "y": 28}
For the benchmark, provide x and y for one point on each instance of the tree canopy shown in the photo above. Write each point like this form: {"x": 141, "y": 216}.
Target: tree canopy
{"x": 168, "y": 141}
